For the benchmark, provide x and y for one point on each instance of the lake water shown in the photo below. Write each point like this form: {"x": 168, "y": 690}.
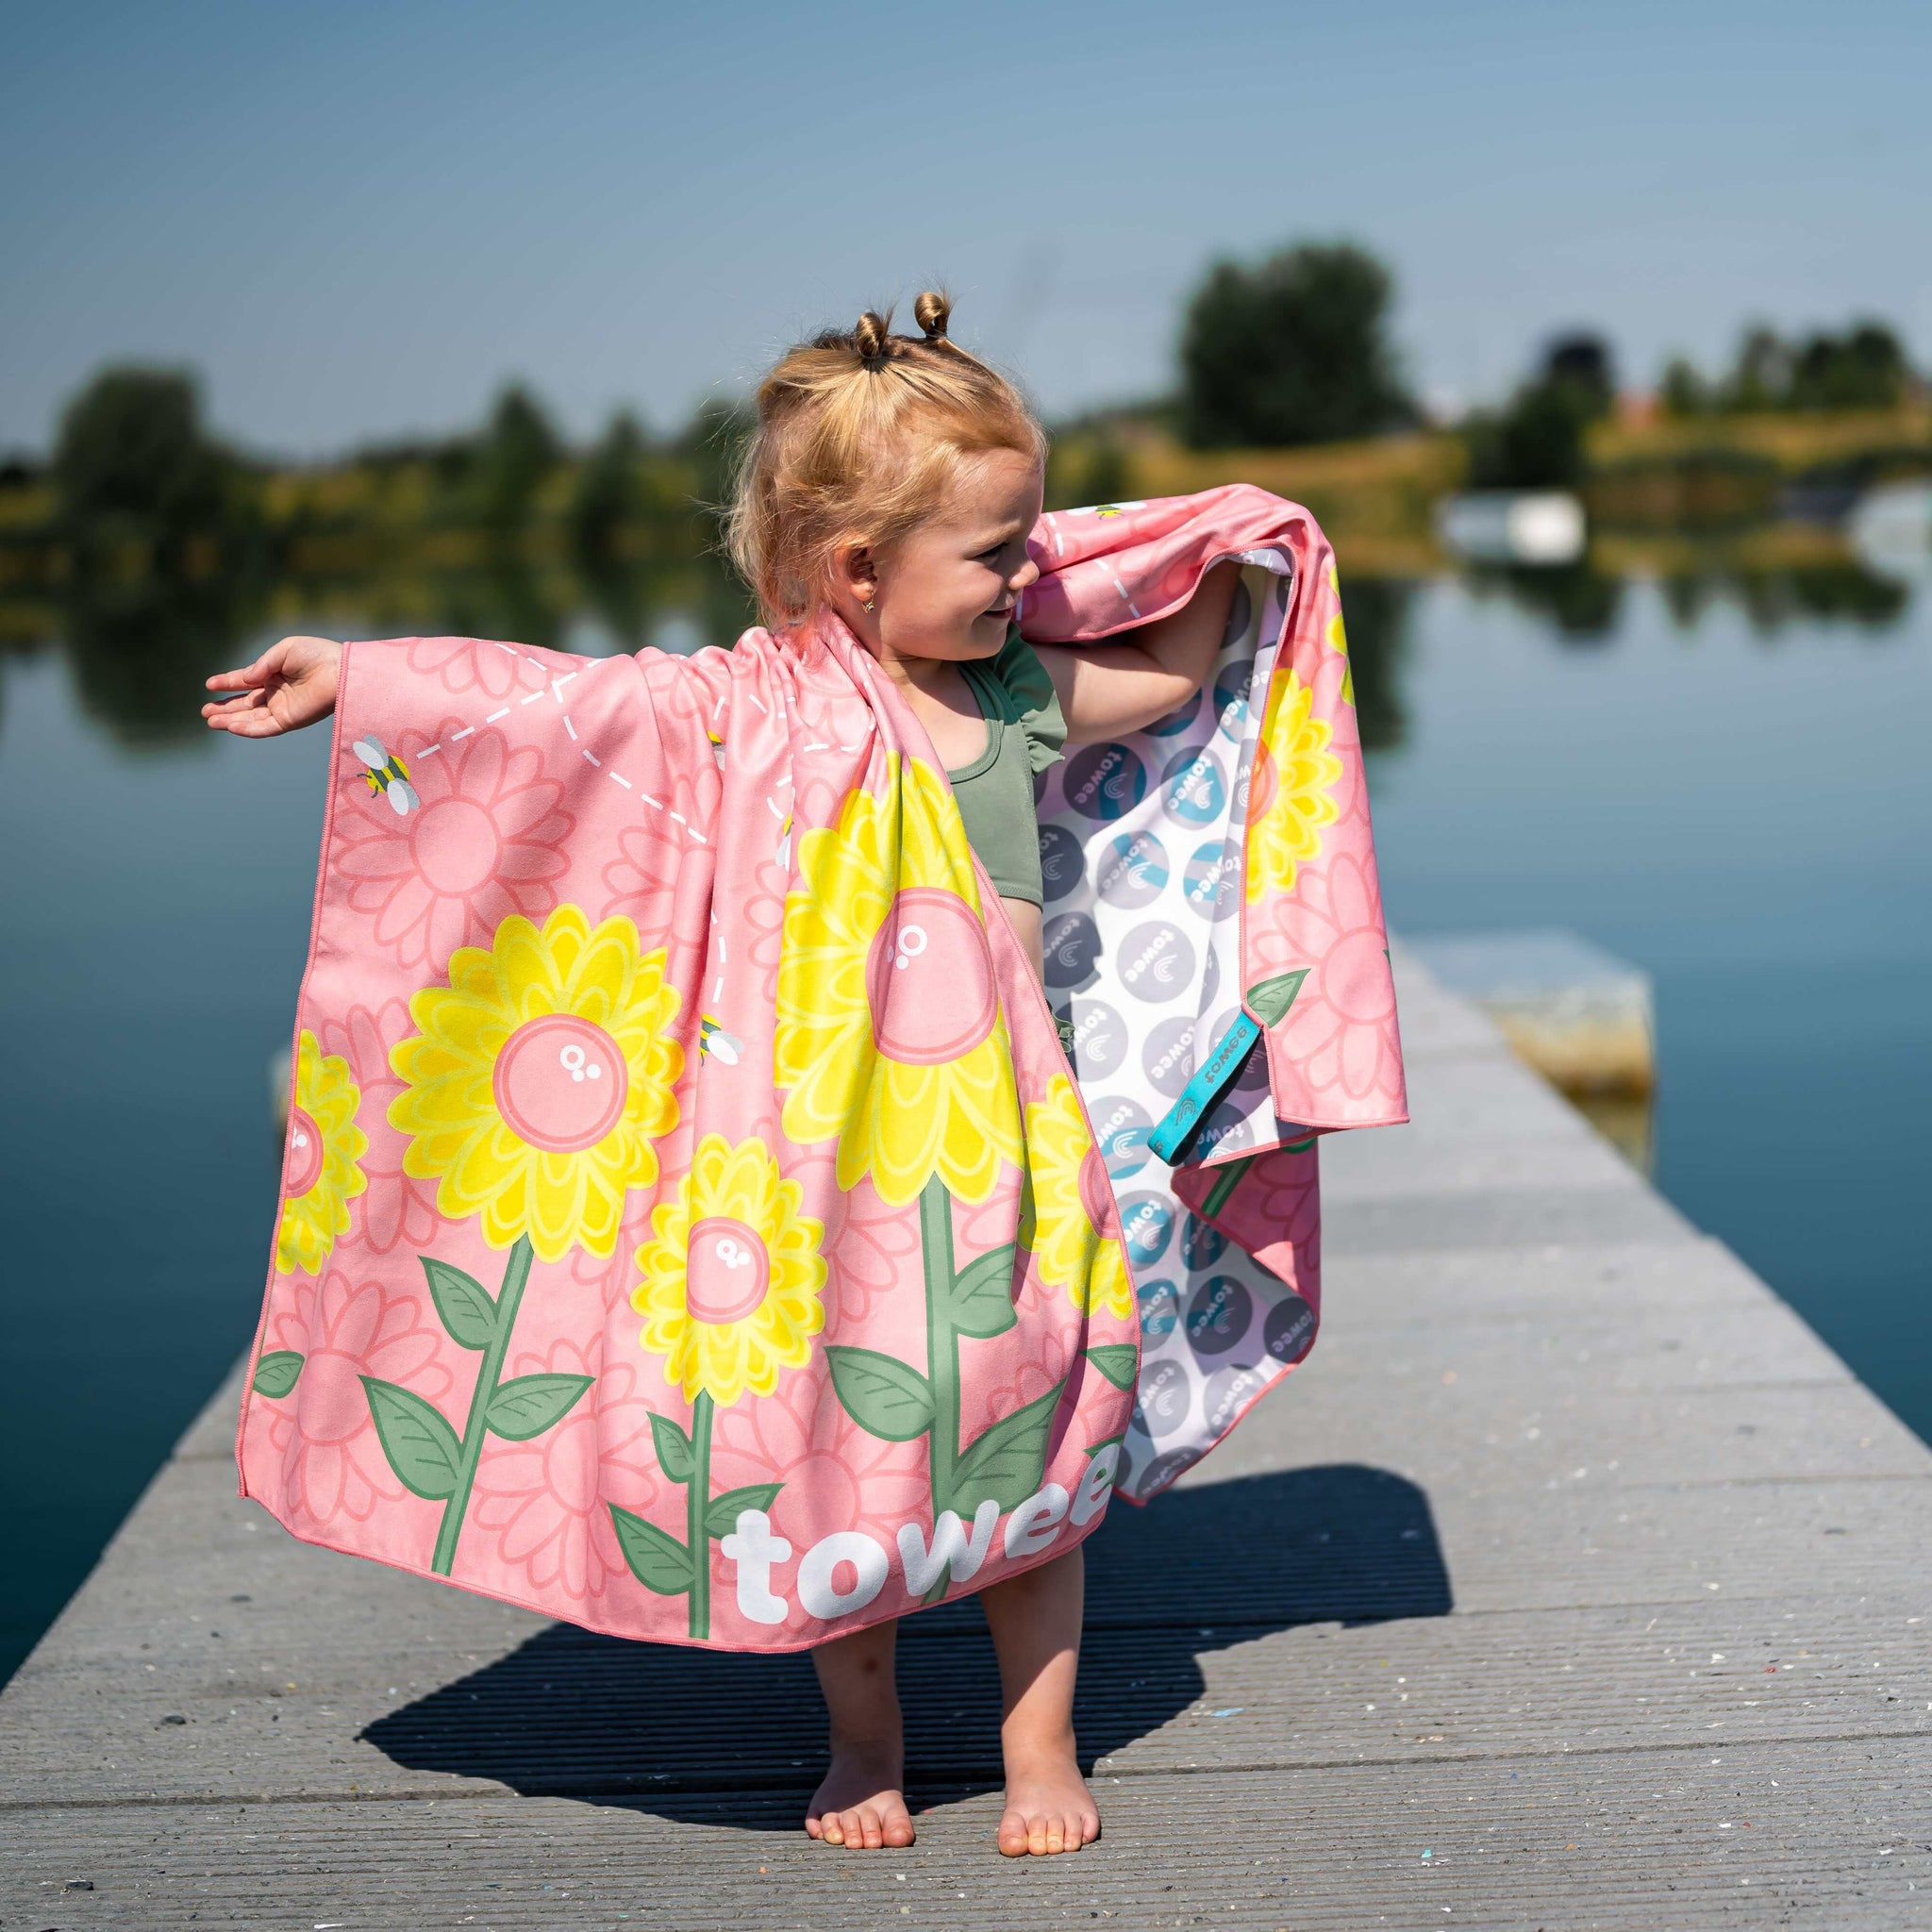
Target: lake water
{"x": 1728, "y": 785}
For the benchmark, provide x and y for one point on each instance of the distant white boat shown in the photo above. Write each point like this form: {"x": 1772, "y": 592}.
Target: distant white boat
{"x": 1890, "y": 528}
{"x": 1513, "y": 527}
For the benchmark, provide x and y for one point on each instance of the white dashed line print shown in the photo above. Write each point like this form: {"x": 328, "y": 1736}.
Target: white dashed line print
{"x": 554, "y": 689}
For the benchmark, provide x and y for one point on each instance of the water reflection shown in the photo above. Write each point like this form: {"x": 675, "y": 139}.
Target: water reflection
{"x": 1773, "y": 600}
{"x": 138, "y": 649}
{"x": 1583, "y": 602}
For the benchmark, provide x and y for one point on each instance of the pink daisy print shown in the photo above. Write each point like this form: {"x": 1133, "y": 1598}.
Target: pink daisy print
{"x": 765, "y": 920}
{"x": 870, "y": 1249}
{"x": 463, "y": 665}
{"x": 1340, "y": 1035}
{"x": 538, "y": 1507}
{"x": 981, "y": 1224}
{"x": 396, "y": 1211}
{"x": 1276, "y": 1215}
{"x": 488, "y": 841}
{"x": 1030, "y": 1380}
{"x": 833, "y": 713}
{"x": 332, "y": 1464}
{"x": 661, "y": 877}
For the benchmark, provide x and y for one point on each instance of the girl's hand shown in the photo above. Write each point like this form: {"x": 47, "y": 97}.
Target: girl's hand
{"x": 291, "y": 684}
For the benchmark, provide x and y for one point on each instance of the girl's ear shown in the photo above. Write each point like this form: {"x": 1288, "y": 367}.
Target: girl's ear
{"x": 855, "y": 571}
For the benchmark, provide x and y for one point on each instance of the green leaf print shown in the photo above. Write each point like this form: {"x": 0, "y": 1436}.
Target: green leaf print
{"x": 882, "y": 1395}
{"x": 656, "y": 1559}
{"x": 982, "y": 1299}
{"x": 720, "y": 1517}
{"x": 1270, "y": 1001}
{"x": 422, "y": 1447}
{"x": 1116, "y": 1360}
{"x": 275, "y": 1374}
{"x": 1008, "y": 1462}
{"x": 532, "y": 1404}
{"x": 464, "y": 1303}
{"x": 672, "y": 1446}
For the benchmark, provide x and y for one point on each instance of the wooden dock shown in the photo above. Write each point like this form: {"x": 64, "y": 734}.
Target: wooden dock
{"x": 1579, "y": 1586}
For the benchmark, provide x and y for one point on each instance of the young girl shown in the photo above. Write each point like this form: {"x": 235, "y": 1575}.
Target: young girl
{"x": 891, "y": 485}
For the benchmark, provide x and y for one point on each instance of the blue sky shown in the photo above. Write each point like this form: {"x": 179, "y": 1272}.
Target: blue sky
{"x": 358, "y": 220}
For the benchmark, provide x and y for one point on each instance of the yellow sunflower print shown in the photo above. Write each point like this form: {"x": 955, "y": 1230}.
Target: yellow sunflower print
{"x": 732, "y": 1275}
{"x": 890, "y": 1033}
{"x": 541, "y": 1076}
{"x": 1336, "y": 637}
{"x": 1068, "y": 1186}
{"x": 320, "y": 1177}
{"x": 1295, "y": 774}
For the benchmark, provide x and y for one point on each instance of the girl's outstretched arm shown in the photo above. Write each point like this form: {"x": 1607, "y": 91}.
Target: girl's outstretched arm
{"x": 1107, "y": 691}
{"x": 291, "y": 684}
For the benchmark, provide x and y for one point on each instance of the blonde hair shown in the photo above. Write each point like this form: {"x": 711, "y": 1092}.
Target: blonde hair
{"x": 859, "y": 435}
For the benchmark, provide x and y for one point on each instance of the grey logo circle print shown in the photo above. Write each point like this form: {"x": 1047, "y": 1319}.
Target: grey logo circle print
{"x": 1288, "y": 1330}
{"x": 1212, "y": 877}
{"x": 1100, "y": 1038}
{"x": 1162, "y": 1406}
{"x": 1228, "y": 1391}
{"x": 1231, "y": 698}
{"x": 1160, "y": 1309}
{"x": 1146, "y": 1225}
{"x": 1121, "y": 1127}
{"x": 1219, "y": 1314}
{"x": 1155, "y": 961}
{"x": 1104, "y": 781}
{"x": 1202, "y": 1244}
{"x": 1167, "y": 1055}
{"x": 1131, "y": 871}
{"x": 1059, "y": 861}
{"x": 1193, "y": 788}
{"x": 1071, "y": 944}
{"x": 1163, "y": 1470}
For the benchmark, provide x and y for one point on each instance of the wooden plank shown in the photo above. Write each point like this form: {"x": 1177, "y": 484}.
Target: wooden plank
{"x": 1820, "y": 1837}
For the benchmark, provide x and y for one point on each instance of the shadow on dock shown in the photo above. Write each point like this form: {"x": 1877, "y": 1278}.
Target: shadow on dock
{"x": 660, "y": 1728}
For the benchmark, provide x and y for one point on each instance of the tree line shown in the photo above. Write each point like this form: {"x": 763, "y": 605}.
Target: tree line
{"x": 1292, "y": 349}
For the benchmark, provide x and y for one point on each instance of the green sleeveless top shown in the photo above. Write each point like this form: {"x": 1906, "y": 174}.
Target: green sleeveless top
{"x": 1024, "y": 730}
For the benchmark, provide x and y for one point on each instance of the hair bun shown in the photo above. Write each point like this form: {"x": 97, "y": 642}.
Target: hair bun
{"x": 931, "y": 311}
{"x": 870, "y": 336}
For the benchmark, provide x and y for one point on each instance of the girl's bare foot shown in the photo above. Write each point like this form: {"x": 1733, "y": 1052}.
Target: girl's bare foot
{"x": 1049, "y": 1807}
{"x": 860, "y": 1805}
{"x": 1034, "y": 1621}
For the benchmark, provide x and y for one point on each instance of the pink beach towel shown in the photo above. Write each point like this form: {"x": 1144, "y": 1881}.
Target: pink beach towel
{"x": 697, "y": 1221}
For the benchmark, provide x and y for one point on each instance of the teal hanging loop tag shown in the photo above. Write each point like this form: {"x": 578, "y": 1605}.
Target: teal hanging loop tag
{"x": 1271, "y": 1000}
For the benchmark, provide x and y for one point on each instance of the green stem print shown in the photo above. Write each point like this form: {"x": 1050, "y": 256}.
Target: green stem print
{"x": 428, "y": 1456}
{"x": 888, "y": 1399}
{"x": 656, "y": 1558}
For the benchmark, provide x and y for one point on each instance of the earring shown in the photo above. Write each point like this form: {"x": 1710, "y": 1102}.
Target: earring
{"x": 868, "y": 603}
